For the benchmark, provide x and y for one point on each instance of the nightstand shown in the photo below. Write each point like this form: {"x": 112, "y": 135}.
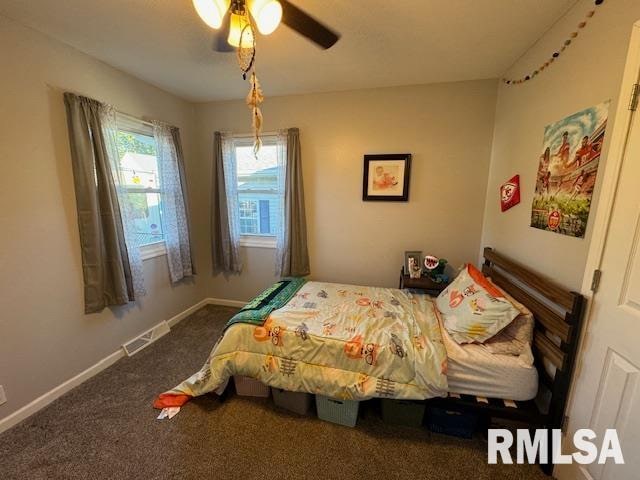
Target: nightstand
{"x": 423, "y": 283}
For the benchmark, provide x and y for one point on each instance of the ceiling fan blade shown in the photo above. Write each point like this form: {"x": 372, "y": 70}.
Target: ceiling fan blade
{"x": 220, "y": 43}
{"x": 307, "y": 26}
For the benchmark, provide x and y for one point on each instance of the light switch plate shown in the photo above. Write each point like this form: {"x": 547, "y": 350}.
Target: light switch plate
{"x": 3, "y": 397}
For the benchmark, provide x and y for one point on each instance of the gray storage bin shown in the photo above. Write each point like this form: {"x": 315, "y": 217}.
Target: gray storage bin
{"x": 297, "y": 402}
{"x": 250, "y": 387}
{"x": 403, "y": 412}
{"x": 342, "y": 412}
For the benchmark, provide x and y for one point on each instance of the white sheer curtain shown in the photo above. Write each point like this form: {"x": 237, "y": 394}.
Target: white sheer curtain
{"x": 110, "y": 130}
{"x": 281, "y": 151}
{"x": 230, "y": 167}
{"x": 174, "y": 216}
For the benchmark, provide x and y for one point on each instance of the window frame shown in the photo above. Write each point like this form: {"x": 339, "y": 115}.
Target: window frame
{"x": 128, "y": 124}
{"x": 152, "y": 250}
{"x": 257, "y": 240}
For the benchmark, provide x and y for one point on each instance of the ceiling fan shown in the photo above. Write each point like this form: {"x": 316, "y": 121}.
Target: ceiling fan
{"x": 230, "y": 17}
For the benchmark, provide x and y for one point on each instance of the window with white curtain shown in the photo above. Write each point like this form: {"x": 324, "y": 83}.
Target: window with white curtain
{"x": 259, "y": 191}
{"x": 138, "y": 165}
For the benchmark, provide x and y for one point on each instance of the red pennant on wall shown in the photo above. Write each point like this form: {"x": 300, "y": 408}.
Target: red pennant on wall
{"x": 510, "y": 193}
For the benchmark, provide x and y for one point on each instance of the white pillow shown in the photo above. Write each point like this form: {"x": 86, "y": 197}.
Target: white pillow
{"x": 473, "y": 309}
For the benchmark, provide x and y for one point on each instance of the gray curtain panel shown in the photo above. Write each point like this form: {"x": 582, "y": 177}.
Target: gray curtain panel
{"x": 293, "y": 258}
{"x": 225, "y": 257}
{"x": 105, "y": 263}
{"x": 175, "y": 134}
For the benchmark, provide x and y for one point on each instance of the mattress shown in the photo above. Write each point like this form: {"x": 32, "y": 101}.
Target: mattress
{"x": 473, "y": 370}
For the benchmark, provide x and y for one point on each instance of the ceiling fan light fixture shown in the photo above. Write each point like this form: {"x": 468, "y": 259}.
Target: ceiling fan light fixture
{"x": 212, "y": 11}
{"x": 236, "y": 26}
{"x": 267, "y": 14}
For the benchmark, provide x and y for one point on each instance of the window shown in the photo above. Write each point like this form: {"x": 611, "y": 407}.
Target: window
{"x": 259, "y": 195}
{"x": 139, "y": 172}
{"x": 249, "y": 217}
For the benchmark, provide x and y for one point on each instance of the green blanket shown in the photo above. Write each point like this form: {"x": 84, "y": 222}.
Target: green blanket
{"x": 276, "y": 296}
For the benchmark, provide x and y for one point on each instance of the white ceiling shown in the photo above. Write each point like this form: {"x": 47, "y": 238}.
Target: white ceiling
{"x": 384, "y": 42}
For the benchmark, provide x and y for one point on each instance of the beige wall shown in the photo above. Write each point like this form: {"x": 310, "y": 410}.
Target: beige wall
{"x": 446, "y": 127}
{"x": 45, "y": 338}
{"x": 589, "y": 72}
{"x": 463, "y": 147}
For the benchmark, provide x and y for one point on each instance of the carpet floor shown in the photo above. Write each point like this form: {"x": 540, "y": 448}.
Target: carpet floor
{"x": 106, "y": 429}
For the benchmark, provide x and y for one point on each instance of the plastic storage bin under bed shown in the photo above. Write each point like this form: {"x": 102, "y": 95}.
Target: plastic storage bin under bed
{"x": 342, "y": 412}
{"x": 250, "y": 387}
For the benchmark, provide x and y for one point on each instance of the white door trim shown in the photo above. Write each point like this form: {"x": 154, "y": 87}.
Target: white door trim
{"x": 613, "y": 164}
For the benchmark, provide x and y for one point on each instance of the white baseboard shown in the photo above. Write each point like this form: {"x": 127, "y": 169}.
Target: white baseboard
{"x": 226, "y": 303}
{"x": 173, "y": 321}
{"x": 45, "y": 399}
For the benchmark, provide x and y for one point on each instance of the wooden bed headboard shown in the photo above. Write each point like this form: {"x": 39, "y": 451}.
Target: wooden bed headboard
{"x": 537, "y": 293}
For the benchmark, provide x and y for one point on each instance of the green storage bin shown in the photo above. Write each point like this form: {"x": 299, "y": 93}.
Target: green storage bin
{"x": 297, "y": 402}
{"x": 342, "y": 412}
{"x": 403, "y": 412}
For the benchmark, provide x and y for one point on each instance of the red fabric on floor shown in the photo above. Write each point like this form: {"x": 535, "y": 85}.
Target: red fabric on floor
{"x": 166, "y": 400}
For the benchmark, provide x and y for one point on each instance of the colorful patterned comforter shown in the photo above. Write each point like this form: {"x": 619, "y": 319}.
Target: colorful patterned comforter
{"x": 342, "y": 341}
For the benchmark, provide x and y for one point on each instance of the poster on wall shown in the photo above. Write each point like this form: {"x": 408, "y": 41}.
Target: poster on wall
{"x": 567, "y": 171}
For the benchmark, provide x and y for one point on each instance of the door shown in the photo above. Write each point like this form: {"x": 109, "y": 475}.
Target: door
{"x": 607, "y": 390}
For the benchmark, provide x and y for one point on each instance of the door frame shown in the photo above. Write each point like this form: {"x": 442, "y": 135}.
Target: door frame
{"x": 613, "y": 164}
{"x": 608, "y": 189}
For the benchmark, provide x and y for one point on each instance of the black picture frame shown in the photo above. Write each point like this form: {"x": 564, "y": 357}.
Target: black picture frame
{"x": 391, "y": 157}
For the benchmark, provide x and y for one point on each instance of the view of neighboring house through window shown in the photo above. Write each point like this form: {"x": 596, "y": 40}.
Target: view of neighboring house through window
{"x": 139, "y": 170}
{"x": 258, "y": 187}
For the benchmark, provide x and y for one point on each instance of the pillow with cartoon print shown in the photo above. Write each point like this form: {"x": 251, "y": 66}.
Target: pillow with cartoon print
{"x": 473, "y": 309}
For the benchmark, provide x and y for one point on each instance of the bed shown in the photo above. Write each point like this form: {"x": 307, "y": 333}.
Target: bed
{"x": 342, "y": 341}
{"x": 473, "y": 370}
{"x": 359, "y": 342}
{"x": 558, "y": 314}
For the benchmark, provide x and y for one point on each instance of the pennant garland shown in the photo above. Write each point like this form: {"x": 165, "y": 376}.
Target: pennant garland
{"x": 557, "y": 53}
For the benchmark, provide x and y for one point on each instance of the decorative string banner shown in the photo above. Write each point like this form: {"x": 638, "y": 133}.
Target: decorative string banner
{"x": 557, "y": 53}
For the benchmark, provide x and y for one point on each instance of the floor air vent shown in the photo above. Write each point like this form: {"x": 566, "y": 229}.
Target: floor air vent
{"x": 147, "y": 338}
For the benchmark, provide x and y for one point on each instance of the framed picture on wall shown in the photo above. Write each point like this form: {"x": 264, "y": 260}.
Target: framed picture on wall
{"x": 386, "y": 177}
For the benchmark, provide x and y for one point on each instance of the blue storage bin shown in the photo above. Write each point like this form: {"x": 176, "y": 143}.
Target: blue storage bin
{"x": 342, "y": 412}
{"x": 451, "y": 422}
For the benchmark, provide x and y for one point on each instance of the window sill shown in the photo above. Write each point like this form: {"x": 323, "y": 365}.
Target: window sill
{"x": 257, "y": 241}
{"x": 153, "y": 250}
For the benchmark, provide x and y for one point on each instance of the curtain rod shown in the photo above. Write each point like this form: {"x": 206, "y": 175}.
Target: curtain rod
{"x": 133, "y": 117}
{"x": 251, "y": 135}
{"x": 119, "y": 112}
